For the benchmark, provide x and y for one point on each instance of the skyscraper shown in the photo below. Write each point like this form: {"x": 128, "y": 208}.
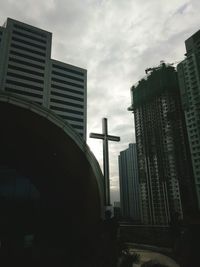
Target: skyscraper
{"x": 129, "y": 184}
{"x": 165, "y": 174}
{"x": 27, "y": 70}
{"x": 189, "y": 80}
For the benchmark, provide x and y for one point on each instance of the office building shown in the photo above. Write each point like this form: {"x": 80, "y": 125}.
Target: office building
{"x": 189, "y": 80}
{"x": 165, "y": 173}
{"x": 129, "y": 184}
{"x": 27, "y": 70}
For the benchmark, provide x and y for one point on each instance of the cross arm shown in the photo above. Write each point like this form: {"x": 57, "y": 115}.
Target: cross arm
{"x": 113, "y": 138}
{"x": 97, "y": 136}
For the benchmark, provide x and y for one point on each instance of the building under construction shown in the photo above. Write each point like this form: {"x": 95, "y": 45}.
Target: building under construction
{"x": 165, "y": 174}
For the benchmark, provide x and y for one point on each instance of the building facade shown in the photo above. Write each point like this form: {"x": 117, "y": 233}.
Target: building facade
{"x": 27, "y": 70}
{"x": 129, "y": 184}
{"x": 189, "y": 80}
{"x": 163, "y": 160}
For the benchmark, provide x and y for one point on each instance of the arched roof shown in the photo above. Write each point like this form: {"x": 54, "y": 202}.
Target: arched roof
{"x": 38, "y": 143}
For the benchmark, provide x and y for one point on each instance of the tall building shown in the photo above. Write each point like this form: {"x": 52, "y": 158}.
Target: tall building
{"x": 129, "y": 184}
{"x": 165, "y": 173}
{"x": 27, "y": 70}
{"x": 189, "y": 80}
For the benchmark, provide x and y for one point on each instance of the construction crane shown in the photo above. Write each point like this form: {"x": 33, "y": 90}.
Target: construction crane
{"x": 150, "y": 69}
{"x": 161, "y": 63}
{"x": 155, "y": 68}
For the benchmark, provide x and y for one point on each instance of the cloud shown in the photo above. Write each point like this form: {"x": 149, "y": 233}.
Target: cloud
{"x": 182, "y": 9}
{"x": 115, "y": 41}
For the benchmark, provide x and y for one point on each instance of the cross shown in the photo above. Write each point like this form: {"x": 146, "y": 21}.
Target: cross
{"x": 105, "y": 137}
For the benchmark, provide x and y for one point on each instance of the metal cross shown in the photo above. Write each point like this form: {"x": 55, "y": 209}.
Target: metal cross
{"x": 105, "y": 138}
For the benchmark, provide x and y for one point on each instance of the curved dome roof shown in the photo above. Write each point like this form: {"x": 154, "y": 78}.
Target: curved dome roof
{"x": 39, "y": 144}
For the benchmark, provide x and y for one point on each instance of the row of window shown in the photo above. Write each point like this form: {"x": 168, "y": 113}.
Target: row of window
{"x": 195, "y": 142}
{"x": 28, "y": 43}
{"x": 71, "y": 118}
{"x": 25, "y": 93}
{"x": 67, "y": 96}
{"x": 193, "y": 136}
{"x": 27, "y": 78}
{"x": 66, "y": 103}
{"x": 77, "y": 126}
{"x": 26, "y": 85}
{"x": 68, "y": 70}
{"x": 67, "y": 110}
{"x": 26, "y": 70}
{"x": 66, "y": 89}
{"x": 23, "y": 48}
{"x": 29, "y": 37}
{"x": 67, "y": 76}
{"x": 68, "y": 83}
{"x": 31, "y": 30}
{"x": 196, "y": 154}
{"x": 26, "y": 56}
{"x": 20, "y": 61}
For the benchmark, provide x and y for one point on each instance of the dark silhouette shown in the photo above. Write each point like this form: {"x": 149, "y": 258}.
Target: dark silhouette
{"x": 175, "y": 226}
{"x": 127, "y": 258}
{"x": 153, "y": 263}
{"x": 109, "y": 240}
{"x": 186, "y": 236}
{"x": 189, "y": 245}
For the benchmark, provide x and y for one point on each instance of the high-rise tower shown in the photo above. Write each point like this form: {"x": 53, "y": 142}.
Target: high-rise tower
{"x": 163, "y": 159}
{"x": 129, "y": 184}
{"x": 27, "y": 70}
{"x": 189, "y": 80}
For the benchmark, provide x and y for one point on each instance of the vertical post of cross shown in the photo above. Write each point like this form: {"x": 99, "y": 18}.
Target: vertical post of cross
{"x": 105, "y": 137}
{"x": 106, "y": 161}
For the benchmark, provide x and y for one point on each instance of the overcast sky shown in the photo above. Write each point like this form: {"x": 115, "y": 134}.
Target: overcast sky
{"x": 115, "y": 40}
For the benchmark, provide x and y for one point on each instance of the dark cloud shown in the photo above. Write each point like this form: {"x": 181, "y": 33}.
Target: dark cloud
{"x": 182, "y": 9}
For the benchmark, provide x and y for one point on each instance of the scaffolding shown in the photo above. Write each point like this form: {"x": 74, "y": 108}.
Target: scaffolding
{"x": 161, "y": 79}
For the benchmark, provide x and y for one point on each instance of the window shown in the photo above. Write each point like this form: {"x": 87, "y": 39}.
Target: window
{"x": 20, "y": 61}
{"x": 29, "y": 37}
{"x": 71, "y": 118}
{"x": 77, "y": 126}
{"x": 67, "y": 76}
{"x": 21, "y": 92}
{"x": 26, "y": 85}
{"x": 28, "y": 43}
{"x": 68, "y": 83}
{"x": 26, "y": 56}
{"x": 66, "y": 109}
{"x": 24, "y": 77}
{"x": 31, "y": 30}
{"x": 28, "y": 49}
{"x": 68, "y": 70}
{"x": 66, "y": 103}
{"x": 67, "y": 96}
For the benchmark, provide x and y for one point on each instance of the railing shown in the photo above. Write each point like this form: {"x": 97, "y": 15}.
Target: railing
{"x": 155, "y": 235}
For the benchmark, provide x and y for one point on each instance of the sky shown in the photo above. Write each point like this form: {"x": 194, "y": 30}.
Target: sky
{"x": 115, "y": 40}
